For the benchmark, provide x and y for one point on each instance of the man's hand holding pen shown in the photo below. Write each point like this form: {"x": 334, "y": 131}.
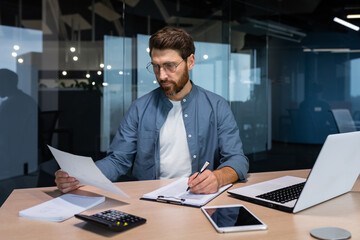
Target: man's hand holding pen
{"x": 204, "y": 181}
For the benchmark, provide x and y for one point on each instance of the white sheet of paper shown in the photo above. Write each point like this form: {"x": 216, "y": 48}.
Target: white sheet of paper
{"x": 84, "y": 169}
{"x": 61, "y": 208}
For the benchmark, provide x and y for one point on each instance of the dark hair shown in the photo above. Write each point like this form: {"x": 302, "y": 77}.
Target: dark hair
{"x": 173, "y": 38}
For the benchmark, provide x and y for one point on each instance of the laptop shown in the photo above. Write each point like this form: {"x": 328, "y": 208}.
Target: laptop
{"x": 334, "y": 173}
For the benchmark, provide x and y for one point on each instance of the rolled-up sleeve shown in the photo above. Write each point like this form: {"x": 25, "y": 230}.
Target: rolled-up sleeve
{"x": 230, "y": 144}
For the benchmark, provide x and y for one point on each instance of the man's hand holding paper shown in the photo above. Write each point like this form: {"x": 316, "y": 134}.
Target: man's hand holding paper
{"x": 64, "y": 182}
{"x": 78, "y": 170}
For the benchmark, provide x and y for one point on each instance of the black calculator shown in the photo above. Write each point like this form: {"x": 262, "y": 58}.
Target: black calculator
{"x": 113, "y": 219}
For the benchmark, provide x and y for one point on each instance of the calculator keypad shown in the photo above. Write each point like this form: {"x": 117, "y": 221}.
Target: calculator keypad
{"x": 114, "y": 219}
{"x": 118, "y": 217}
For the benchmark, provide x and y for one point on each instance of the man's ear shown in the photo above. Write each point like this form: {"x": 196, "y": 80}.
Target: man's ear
{"x": 190, "y": 61}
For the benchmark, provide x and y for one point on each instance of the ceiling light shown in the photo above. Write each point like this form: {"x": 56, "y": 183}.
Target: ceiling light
{"x": 105, "y": 84}
{"x": 148, "y": 50}
{"x": 102, "y": 65}
{"x": 346, "y": 24}
{"x": 75, "y": 58}
{"x": 108, "y": 67}
{"x": 72, "y": 49}
{"x": 205, "y": 56}
{"x": 121, "y": 72}
{"x": 93, "y": 83}
{"x": 87, "y": 75}
{"x": 99, "y": 73}
{"x": 14, "y": 54}
{"x": 64, "y": 73}
{"x": 352, "y": 16}
{"x": 284, "y": 37}
{"x": 332, "y": 50}
{"x": 16, "y": 47}
{"x": 20, "y": 60}
{"x": 278, "y": 30}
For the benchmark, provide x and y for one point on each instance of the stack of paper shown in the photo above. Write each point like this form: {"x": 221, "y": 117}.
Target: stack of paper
{"x": 61, "y": 208}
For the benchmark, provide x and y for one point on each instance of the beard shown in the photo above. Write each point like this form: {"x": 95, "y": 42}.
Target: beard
{"x": 176, "y": 87}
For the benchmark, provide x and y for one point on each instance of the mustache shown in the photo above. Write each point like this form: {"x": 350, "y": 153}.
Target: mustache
{"x": 166, "y": 81}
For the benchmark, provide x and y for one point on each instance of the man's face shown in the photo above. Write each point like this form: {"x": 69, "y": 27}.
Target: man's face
{"x": 170, "y": 82}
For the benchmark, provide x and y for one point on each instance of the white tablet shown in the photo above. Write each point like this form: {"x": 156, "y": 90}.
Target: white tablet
{"x": 232, "y": 218}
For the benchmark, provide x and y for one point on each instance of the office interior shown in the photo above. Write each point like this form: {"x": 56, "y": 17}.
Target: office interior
{"x": 282, "y": 65}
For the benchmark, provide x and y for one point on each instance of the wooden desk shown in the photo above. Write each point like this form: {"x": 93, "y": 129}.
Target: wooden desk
{"x": 167, "y": 221}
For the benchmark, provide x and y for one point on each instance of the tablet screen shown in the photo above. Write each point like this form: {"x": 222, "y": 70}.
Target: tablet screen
{"x": 232, "y": 216}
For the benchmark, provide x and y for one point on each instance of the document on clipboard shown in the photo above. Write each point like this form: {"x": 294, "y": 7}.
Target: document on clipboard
{"x": 176, "y": 193}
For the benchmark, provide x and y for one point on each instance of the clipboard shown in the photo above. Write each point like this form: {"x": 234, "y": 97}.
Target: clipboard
{"x": 175, "y": 193}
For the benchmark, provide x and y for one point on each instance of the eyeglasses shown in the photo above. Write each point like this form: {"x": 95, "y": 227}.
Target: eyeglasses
{"x": 168, "y": 67}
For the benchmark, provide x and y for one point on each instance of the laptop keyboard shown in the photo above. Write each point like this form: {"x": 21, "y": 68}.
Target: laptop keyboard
{"x": 285, "y": 194}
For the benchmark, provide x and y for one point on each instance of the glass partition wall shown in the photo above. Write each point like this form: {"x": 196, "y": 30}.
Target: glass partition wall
{"x": 70, "y": 70}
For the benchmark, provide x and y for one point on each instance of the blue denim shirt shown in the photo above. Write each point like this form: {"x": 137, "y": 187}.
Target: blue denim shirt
{"x": 212, "y": 133}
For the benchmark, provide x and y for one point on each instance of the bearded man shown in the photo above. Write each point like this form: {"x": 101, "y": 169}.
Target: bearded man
{"x": 173, "y": 130}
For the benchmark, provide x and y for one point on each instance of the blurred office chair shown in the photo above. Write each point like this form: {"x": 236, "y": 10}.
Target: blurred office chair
{"x": 344, "y": 121}
{"x": 47, "y": 164}
{"x": 47, "y": 128}
{"x": 47, "y": 124}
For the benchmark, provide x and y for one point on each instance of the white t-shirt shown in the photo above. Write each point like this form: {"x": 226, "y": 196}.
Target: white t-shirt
{"x": 175, "y": 160}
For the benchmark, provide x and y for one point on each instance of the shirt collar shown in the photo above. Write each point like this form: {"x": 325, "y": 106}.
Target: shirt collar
{"x": 191, "y": 95}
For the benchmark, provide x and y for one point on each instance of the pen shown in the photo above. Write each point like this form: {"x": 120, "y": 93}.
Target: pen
{"x": 202, "y": 169}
